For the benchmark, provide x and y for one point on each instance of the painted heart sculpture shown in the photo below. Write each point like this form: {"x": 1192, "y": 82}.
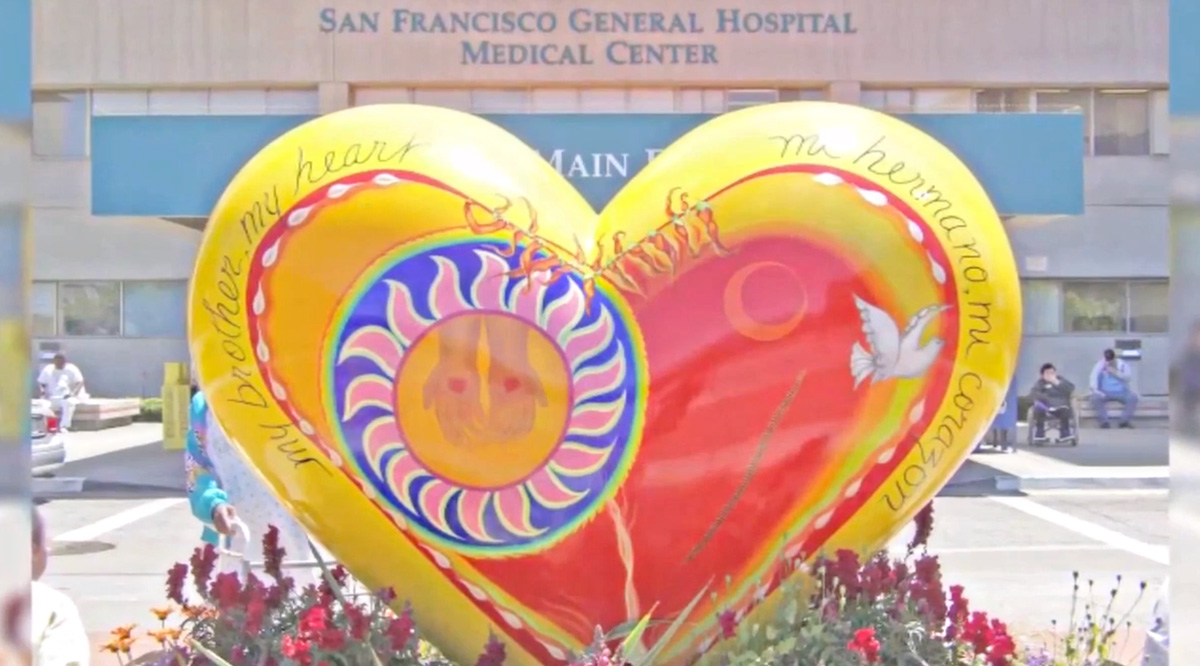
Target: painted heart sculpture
{"x": 783, "y": 336}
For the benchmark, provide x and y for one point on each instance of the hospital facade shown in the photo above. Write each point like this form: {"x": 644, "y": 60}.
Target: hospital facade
{"x": 143, "y": 110}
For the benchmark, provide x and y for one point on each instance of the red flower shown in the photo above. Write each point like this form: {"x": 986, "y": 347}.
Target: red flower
{"x": 727, "y": 619}
{"x": 865, "y": 645}
{"x": 273, "y": 554}
{"x": 314, "y": 620}
{"x": 296, "y": 649}
{"x": 400, "y": 630}
{"x": 254, "y": 600}
{"x": 226, "y": 590}
{"x": 959, "y": 611}
{"x": 204, "y": 561}
{"x": 357, "y": 622}
{"x": 926, "y": 589}
{"x": 175, "y": 578}
{"x": 493, "y": 653}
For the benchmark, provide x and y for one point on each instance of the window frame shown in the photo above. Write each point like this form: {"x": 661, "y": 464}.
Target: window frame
{"x": 1090, "y": 115}
{"x": 124, "y": 329}
{"x": 1128, "y": 284}
{"x": 53, "y": 317}
{"x": 1121, "y": 93}
{"x": 60, "y": 314}
{"x": 889, "y": 106}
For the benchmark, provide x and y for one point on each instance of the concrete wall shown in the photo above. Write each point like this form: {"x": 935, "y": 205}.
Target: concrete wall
{"x": 1124, "y": 233}
{"x": 70, "y": 244}
{"x": 193, "y": 43}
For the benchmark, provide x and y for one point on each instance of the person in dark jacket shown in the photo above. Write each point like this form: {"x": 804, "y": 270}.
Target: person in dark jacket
{"x": 1051, "y": 395}
{"x": 1187, "y": 378}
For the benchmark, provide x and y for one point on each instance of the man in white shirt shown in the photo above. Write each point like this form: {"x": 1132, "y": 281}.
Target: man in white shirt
{"x": 59, "y": 638}
{"x": 62, "y": 384}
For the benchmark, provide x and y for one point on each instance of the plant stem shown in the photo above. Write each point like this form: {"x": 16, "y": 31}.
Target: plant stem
{"x": 208, "y": 654}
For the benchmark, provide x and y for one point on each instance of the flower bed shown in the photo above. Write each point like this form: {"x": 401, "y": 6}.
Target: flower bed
{"x": 840, "y": 611}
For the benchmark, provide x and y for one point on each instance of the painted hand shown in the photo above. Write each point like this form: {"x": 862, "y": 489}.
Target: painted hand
{"x": 516, "y": 393}
{"x": 453, "y": 388}
{"x": 514, "y": 388}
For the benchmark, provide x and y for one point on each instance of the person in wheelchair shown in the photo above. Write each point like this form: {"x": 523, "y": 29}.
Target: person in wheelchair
{"x": 1052, "y": 396}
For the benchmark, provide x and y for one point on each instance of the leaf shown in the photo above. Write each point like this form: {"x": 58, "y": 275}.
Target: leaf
{"x": 787, "y": 645}
{"x": 650, "y": 656}
{"x": 632, "y": 645}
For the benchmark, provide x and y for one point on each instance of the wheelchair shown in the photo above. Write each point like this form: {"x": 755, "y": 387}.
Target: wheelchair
{"x": 1053, "y": 432}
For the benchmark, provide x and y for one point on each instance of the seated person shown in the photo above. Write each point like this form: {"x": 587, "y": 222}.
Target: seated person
{"x": 62, "y": 384}
{"x": 1110, "y": 383}
{"x": 1051, "y": 394}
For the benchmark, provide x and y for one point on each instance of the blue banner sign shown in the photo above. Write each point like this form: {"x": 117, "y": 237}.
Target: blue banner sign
{"x": 1030, "y": 164}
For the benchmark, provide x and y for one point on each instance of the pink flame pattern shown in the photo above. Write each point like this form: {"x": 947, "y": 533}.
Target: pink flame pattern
{"x": 442, "y": 502}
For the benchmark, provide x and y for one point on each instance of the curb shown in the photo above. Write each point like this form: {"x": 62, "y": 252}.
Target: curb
{"x": 1020, "y": 484}
{"x": 1008, "y": 484}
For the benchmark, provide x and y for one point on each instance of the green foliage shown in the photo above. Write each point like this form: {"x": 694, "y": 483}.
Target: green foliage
{"x": 151, "y": 411}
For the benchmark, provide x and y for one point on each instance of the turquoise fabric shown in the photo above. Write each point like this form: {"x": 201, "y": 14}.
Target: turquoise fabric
{"x": 204, "y": 489}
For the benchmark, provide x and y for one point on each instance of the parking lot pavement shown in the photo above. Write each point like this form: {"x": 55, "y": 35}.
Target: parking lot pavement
{"x": 1014, "y": 555}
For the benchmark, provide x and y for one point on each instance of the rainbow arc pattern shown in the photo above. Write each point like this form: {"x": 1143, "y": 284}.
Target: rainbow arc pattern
{"x": 407, "y": 295}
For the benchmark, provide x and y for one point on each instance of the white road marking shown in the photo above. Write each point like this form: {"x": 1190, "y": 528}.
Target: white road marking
{"x": 1055, "y": 548}
{"x": 119, "y": 520}
{"x": 1159, "y": 554}
{"x": 1080, "y": 492}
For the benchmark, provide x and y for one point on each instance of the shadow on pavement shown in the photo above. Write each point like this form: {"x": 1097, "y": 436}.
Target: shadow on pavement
{"x": 148, "y": 467}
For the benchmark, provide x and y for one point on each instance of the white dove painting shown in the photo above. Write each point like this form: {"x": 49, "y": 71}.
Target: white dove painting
{"x": 890, "y": 352}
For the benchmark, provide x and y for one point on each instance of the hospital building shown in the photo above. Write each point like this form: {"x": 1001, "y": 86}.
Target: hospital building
{"x": 144, "y": 109}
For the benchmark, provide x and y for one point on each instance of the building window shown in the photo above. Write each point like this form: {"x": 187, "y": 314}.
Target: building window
{"x": 1002, "y": 100}
{"x": 293, "y": 102}
{"x": 803, "y": 95}
{"x": 60, "y": 124}
{"x": 892, "y": 100}
{"x": 1115, "y": 122}
{"x": 1122, "y": 122}
{"x": 89, "y": 308}
{"x": 500, "y": 100}
{"x": 134, "y": 309}
{"x": 746, "y": 97}
{"x": 365, "y": 96}
{"x": 555, "y": 100}
{"x": 43, "y": 304}
{"x": 450, "y": 98}
{"x": 1042, "y": 301}
{"x": 651, "y": 100}
{"x": 1148, "y": 306}
{"x": 201, "y": 102}
{"x": 178, "y": 102}
{"x": 154, "y": 309}
{"x": 1069, "y": 101}
{"x": 1095, "y": 306}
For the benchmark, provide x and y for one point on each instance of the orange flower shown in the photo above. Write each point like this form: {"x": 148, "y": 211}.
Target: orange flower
{"x": 113, "y": 646}
{"x": 164, "y": 635}
{"x": 126, "y": 645}
{"x": 162, "y": 613}
{"x": 192, "y": 612}
{"x": 123, "y": 632}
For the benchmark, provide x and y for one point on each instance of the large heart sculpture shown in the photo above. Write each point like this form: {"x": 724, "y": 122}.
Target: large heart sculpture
{"x": 783, "y": 336}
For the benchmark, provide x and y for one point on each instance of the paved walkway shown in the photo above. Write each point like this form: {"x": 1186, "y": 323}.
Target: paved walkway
{"x": 1104, "y": 459}
{"x": 131, "y": 460}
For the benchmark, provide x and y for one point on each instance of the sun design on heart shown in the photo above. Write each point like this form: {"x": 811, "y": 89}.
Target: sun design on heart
{"x": 495, "y": 412}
